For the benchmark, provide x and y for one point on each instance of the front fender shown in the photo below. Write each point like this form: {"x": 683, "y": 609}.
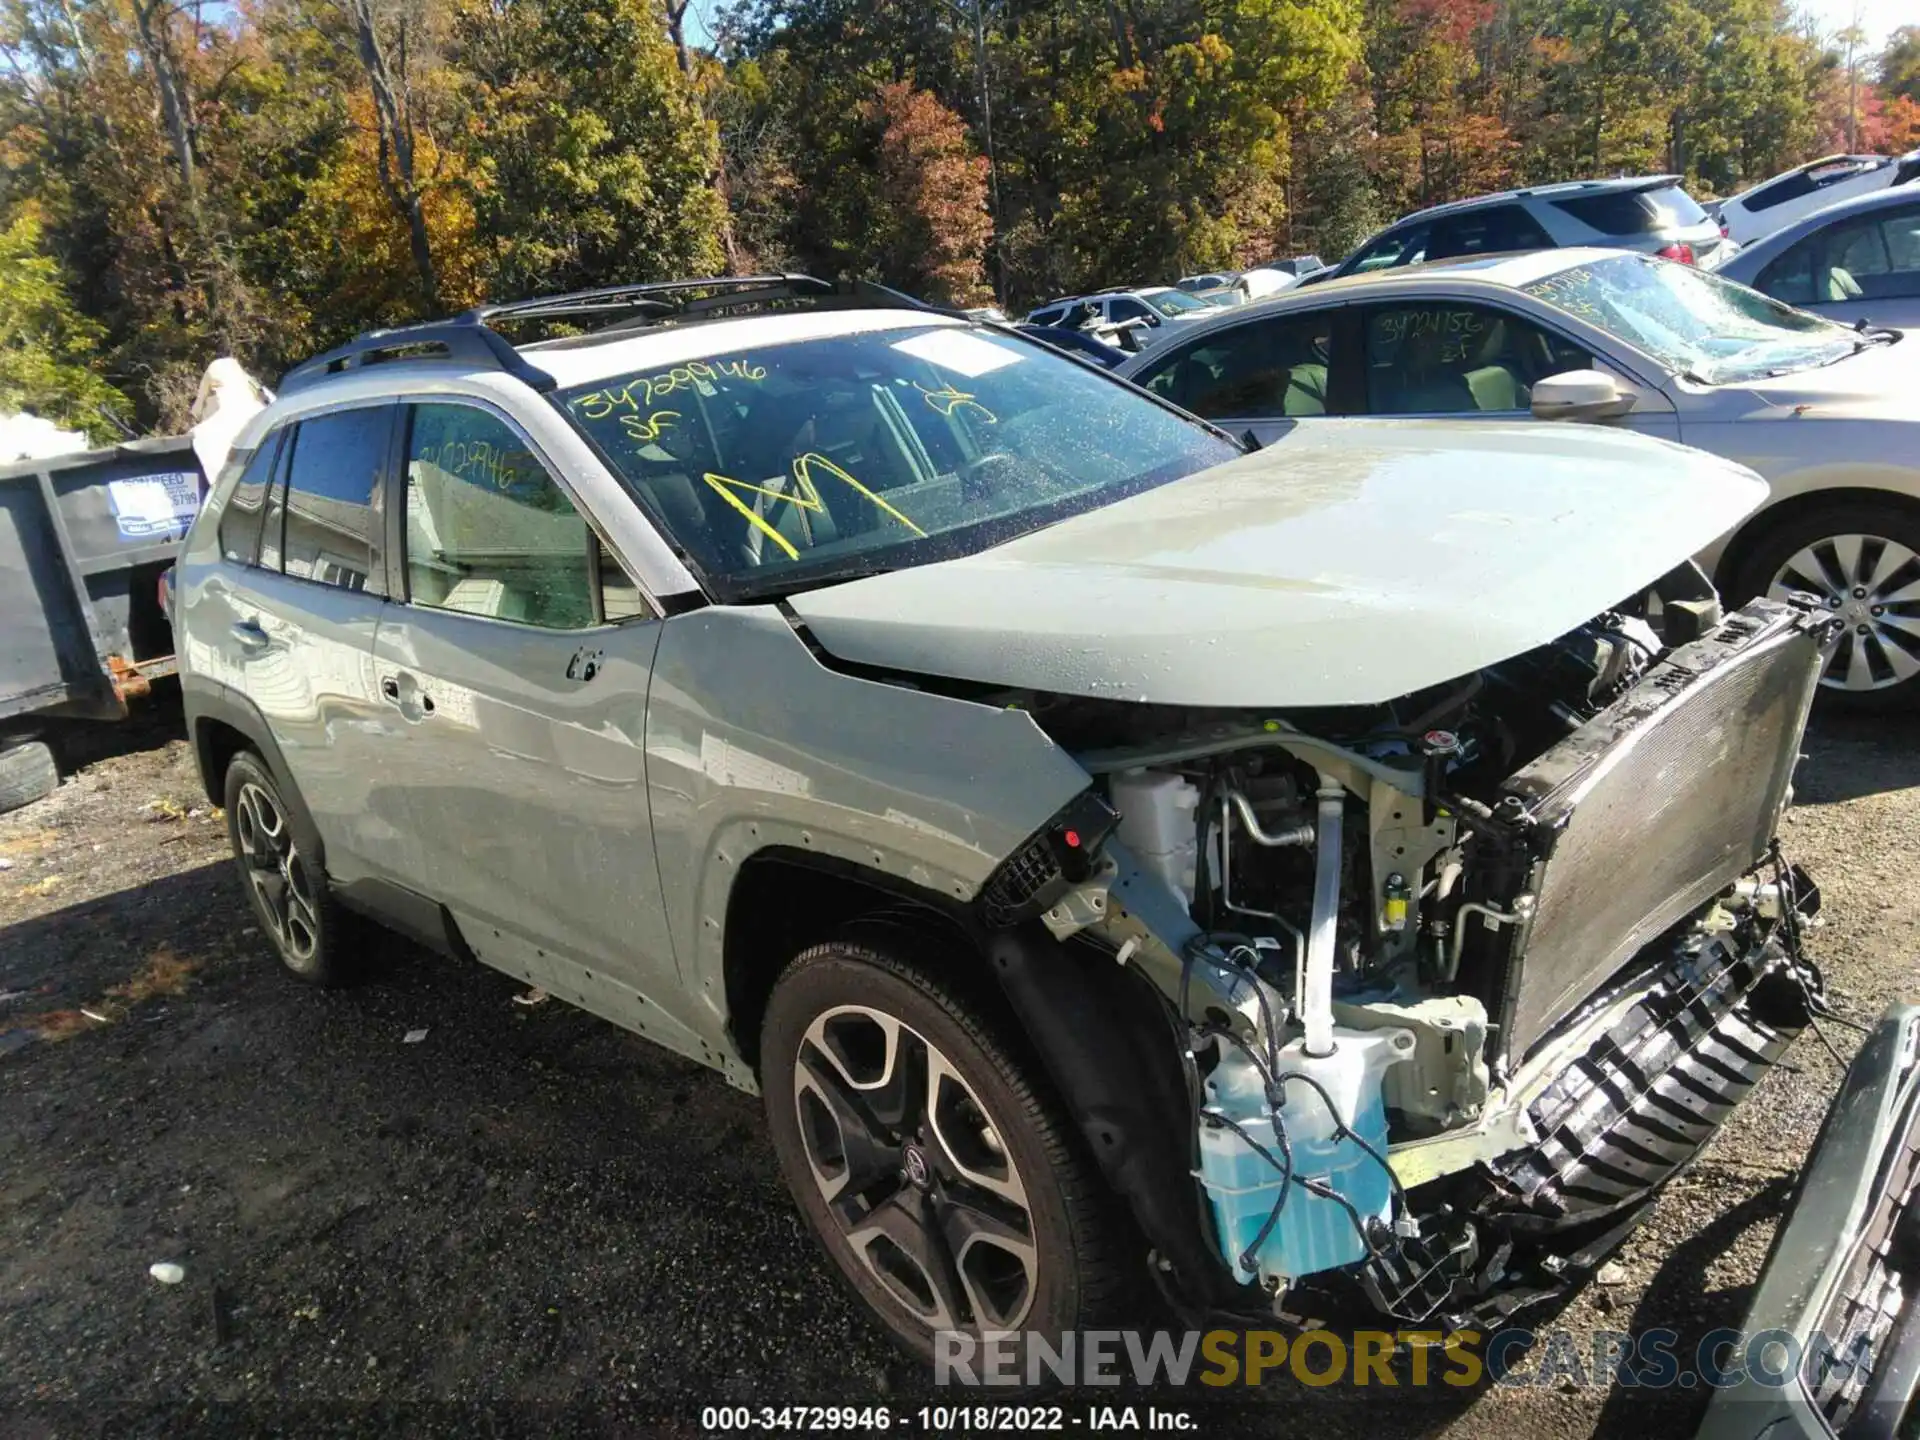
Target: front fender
{"x": 753, "y": 743}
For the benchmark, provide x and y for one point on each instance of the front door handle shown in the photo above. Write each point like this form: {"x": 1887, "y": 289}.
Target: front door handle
{"x": 404, "y": 692}
{"x": 248, "y": 635}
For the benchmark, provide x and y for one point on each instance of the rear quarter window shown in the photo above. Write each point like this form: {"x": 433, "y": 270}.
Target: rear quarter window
{"x": 240, "y": 518}
{"x": 1634, "y": 212}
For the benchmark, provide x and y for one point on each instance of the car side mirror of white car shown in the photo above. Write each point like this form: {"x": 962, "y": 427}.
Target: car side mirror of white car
{"x": 1579, "y": 395}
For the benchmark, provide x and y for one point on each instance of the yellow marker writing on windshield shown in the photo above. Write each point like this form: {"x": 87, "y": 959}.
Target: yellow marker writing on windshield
{"x": 804, "y": 496}
{"x": 948, "y": 399}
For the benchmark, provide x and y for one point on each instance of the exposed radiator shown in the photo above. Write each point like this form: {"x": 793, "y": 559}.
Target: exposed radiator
{"x": 1656, "y": 805}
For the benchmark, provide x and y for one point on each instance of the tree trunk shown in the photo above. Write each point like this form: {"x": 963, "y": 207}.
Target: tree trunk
{"x": 393, "y": 123}
{"x": 677, "y": 32}
{"x": 176, "y": 115}
{"x": 1600, "y": 85}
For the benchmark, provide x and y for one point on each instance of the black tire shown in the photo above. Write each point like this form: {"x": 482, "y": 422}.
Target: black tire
{"x": 1003, "y": 1126}
{"x": 27, "y": 774}
{"x": 282, "y": 878}
{"x": 1883, "y": 635}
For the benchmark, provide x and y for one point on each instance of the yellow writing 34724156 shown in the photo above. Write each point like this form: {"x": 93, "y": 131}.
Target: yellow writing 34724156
{"x": 804, "y": 496}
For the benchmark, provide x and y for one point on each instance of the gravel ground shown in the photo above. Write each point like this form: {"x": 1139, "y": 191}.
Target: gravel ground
{"x": 529, "y": 1221}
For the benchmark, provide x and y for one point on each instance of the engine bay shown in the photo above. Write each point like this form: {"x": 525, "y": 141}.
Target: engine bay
{"x": 1392, "y": 933}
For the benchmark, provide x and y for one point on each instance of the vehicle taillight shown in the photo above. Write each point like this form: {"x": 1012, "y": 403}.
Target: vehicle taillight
{"x": 1682, "y": 253}
{"x": 1724, "y": 232}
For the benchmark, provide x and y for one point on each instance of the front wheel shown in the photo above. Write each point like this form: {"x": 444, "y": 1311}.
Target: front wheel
{"x": 1862, "y": 562}
{"x": 936, "y": 1170}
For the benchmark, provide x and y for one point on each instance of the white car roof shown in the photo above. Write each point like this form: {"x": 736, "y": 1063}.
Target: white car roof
{"x": 670, "y": 345}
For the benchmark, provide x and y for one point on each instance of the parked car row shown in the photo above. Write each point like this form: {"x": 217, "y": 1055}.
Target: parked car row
{"x": 1651, "y": 214}
{"x": 1046, "y": 801}
{"x": 1824, "y": 412}
{"x": 1856, "y": 268}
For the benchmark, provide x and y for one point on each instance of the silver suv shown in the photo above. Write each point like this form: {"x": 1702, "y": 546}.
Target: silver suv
{"x": 1651, "y": 213}
{"x": 1039, "y": 800}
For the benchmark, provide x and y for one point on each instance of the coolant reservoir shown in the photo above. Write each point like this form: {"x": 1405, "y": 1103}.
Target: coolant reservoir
{"x": 1313, "y": 1233}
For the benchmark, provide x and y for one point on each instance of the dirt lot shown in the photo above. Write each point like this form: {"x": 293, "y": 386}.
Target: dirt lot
{"x": 530, "y": 1221}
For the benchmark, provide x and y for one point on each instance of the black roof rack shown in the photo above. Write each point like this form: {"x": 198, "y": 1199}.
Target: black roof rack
{"x": 475, "y": 338}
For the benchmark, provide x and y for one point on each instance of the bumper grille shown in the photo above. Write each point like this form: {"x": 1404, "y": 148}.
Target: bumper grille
{"x": 1857, "y": 1326}
{"x": 1658, "y": 804}
{"x": 1642, "y": 1101}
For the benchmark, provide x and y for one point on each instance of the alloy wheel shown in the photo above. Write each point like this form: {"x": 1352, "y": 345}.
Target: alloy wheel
{"x": 1873, "y": 584}
{"x": 277, "y": 873}
{"x": 913, "y": 1171}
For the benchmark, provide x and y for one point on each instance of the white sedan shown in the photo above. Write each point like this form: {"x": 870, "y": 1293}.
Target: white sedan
{"x": 1826, "y": 414}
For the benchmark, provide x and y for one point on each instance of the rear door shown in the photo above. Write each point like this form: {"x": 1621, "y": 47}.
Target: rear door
{"x": 1261, "y": 376}
{"x": 512, "y": 670}
{"x": 293, "y": 606}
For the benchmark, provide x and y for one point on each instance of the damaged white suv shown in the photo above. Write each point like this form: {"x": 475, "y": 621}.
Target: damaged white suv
{"x": 1341, "y": 875}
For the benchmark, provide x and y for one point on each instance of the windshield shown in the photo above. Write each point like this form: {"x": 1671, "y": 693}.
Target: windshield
{"x": 1173, "y": 302}
{"x": 793, "y": 465}
{"x": 1697, "y": 323}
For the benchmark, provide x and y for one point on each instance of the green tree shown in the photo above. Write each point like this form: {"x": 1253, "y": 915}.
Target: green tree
{"x": 49, "y": 352}
{"x": 589, "y": 155}
{"x": 1899, "y": 66}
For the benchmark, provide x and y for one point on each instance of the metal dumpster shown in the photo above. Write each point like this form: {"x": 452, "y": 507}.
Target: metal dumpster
{"x": 83, "y": 541}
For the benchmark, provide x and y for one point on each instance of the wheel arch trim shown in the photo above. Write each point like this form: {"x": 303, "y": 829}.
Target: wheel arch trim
{"x": 209, "y": 704}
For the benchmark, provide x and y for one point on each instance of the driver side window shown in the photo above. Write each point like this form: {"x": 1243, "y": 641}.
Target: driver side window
{"x": 490, "y": 533}
{"x": 1402, "y": 247}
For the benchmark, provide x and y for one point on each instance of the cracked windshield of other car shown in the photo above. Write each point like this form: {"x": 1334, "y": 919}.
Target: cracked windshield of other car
{"x": 1715, "y": 332}
{"x": 795, "y": 465}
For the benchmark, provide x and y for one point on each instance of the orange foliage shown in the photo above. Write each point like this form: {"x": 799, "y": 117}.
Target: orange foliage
{"x": 361, "y": 220}
{"x": 936, "y": 191}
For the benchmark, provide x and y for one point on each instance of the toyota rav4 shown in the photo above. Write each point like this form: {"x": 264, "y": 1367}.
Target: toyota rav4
{"x": 1334, "y": 875}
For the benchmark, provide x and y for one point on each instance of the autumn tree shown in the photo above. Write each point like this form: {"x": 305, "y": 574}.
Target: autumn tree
{"x": 932, "y": 192}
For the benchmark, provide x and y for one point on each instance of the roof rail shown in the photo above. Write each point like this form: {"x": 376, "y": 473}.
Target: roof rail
{"x": 474, "y": 337}
{"x": 465, "y": 338}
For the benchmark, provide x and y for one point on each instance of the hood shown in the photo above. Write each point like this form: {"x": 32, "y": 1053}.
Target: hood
{"x": 1878, "y": 383}
{"x": 1347, "y": 564}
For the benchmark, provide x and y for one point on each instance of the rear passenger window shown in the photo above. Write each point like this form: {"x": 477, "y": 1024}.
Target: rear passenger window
{"x": 489, "y": 533}
{"x": 332, "y": 523}
{"x": 240, "y": 520}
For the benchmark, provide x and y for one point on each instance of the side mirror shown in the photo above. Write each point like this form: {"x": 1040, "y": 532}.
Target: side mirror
{"x": 1579, "y": 395}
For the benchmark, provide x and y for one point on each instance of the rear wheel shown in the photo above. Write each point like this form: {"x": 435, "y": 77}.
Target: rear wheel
{"x": 938, "y": 1173}
{"x": 1862, "y": 562}
{"x": 283, "y": 878}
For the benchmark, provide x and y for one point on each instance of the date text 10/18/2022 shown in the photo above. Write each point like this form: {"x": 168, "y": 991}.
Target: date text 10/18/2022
{"x": 939, "y": 1419}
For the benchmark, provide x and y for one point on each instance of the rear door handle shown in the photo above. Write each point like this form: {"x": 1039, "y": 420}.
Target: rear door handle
{"x": 249, "y": 636}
